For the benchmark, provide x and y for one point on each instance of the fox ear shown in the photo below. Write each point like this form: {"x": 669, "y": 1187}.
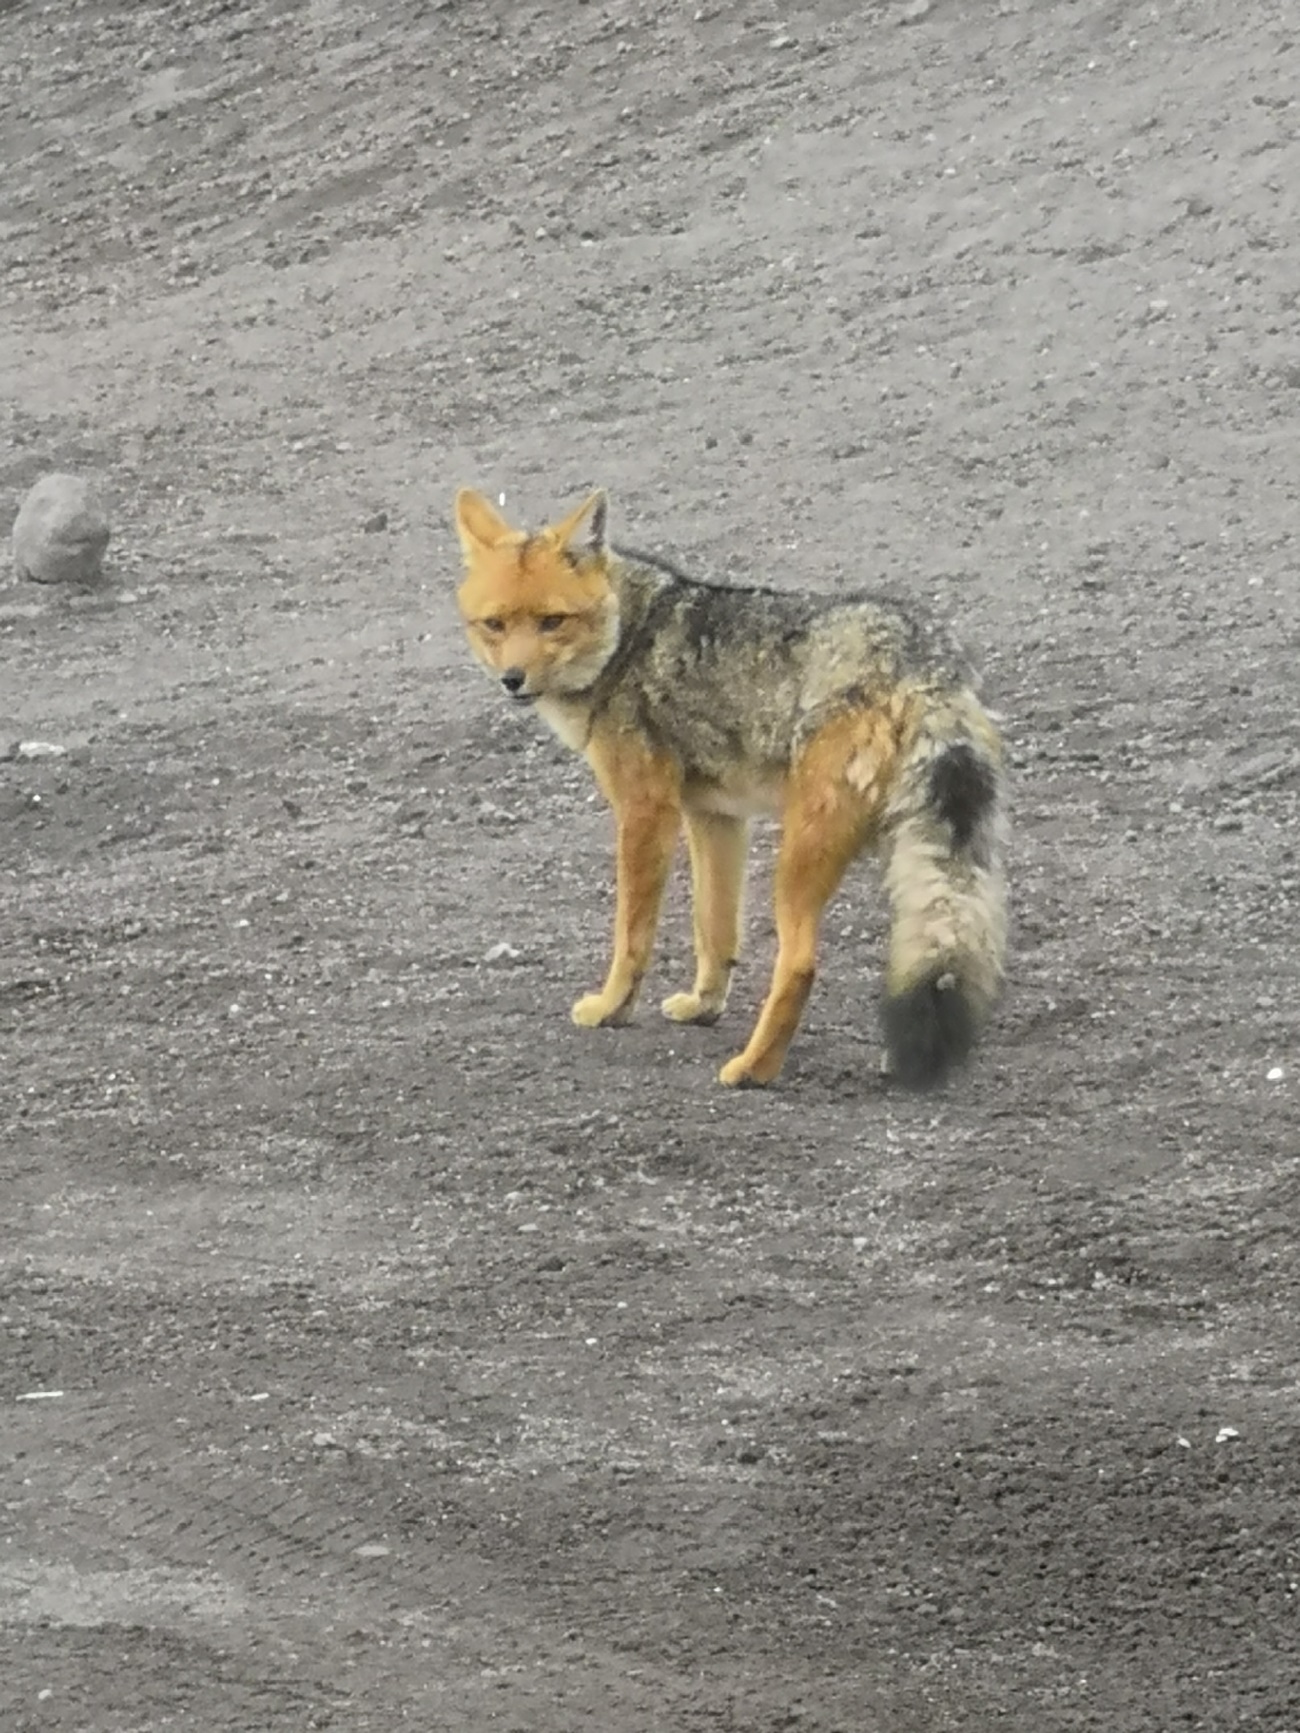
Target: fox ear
{"x": 596, "y": 539}
{"x": 595, "y": 506}
{"x": 478, "y": 524}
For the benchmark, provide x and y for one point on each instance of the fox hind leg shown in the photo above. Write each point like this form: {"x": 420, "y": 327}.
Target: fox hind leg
{"x": 833, "y": 808}
{"x": 809, "y": 868}
{"x": 718, "y": 845}
{"x": 816, "y": 850}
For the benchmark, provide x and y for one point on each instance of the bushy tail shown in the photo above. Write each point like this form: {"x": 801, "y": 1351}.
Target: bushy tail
{"x": 944, "y": 877}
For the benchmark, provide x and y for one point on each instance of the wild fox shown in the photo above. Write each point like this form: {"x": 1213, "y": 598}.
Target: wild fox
{"x": 702, "y": 704}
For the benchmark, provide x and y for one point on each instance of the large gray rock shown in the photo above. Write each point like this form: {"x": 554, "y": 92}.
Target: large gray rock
{"x": 61, "y": 532}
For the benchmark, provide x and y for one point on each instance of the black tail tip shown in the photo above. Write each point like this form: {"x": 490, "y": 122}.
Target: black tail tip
{"x": 929, "y": 1031}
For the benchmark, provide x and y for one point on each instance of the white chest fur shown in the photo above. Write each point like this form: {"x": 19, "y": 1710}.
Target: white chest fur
{"x": 571, "y": 721}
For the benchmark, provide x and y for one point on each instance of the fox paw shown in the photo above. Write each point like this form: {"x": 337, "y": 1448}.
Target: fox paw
{"x": 691, "y": 1008}
{"x": 743, "y": 1073}
{"x": 595, "y": 1011}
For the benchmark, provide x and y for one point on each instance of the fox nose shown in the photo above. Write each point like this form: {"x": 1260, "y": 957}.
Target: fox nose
{"x": 513, "y": 680}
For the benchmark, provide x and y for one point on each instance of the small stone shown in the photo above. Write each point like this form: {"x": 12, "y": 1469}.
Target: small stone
{"x": 61, "y": 532}
{"x": 915, "y": 11}
{"x": 1275, "y": 1074}
{"x": 371, "y": 1549}
{"x": 1197, "y": 206}
{"x": 375, "y": 522}
{"x": 500, "y": 953}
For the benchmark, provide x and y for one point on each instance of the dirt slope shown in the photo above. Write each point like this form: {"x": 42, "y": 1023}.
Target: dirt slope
{"x": 422, "y": 1360}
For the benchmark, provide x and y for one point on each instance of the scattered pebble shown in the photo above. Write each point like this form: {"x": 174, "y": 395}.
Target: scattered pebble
{"x": 61, "y": 532}
{"x": 1275, "y": 1074}
{"x": 500, "y": 953}
{"x": 1225, "y": 1433}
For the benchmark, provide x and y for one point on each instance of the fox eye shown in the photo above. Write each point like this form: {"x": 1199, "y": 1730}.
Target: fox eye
{"x": 493, "y": 626}
{"x": 551, "y": 622}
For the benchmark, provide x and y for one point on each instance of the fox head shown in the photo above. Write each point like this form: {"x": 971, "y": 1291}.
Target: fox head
{"x": 539, "y": 611}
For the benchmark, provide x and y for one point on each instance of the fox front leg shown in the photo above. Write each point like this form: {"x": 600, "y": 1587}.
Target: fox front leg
{"x": 718, "y": 845}
{"x": 644, "y": 793}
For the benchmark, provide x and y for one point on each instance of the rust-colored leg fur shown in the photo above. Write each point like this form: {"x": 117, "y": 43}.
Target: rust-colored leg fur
{"x": 645, "y": 793}
{"x": 718, "y": 845}
{"x": 833, "y": 804}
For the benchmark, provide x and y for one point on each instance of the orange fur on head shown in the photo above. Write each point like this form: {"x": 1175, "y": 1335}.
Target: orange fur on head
{"x": 530, "y": 603}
